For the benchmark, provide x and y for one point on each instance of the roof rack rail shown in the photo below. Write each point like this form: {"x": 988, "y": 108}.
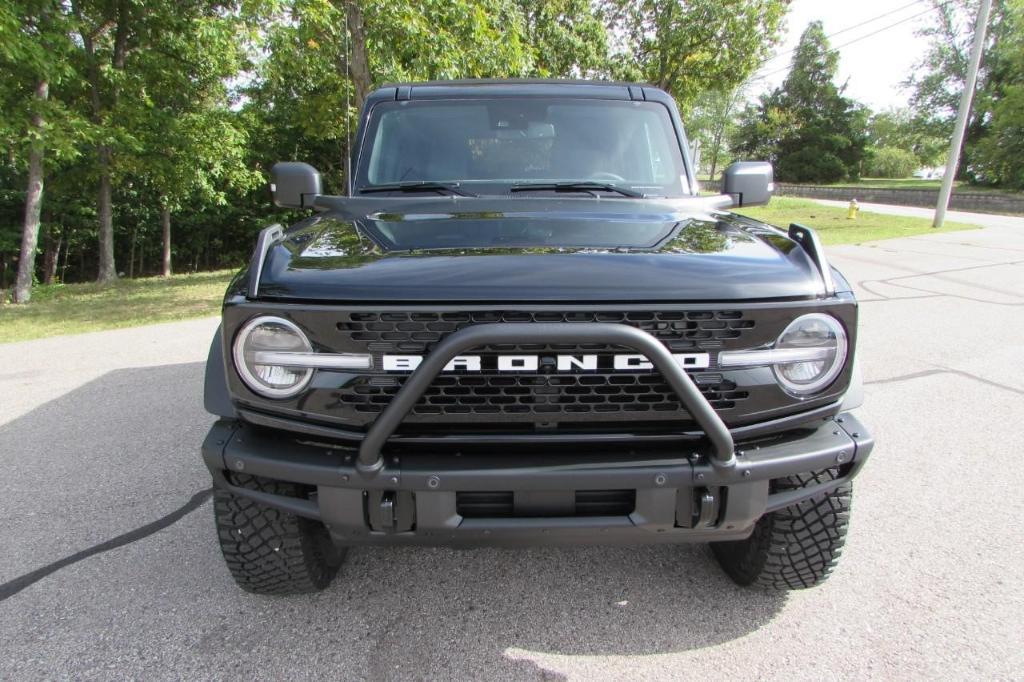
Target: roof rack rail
{"x": 808, "y": 239}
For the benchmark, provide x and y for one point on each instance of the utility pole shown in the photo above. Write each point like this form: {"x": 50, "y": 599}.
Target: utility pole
{"x": 980, "y": 28}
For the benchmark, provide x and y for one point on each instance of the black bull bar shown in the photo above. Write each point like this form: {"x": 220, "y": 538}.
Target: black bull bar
{"x": 371, "y": 461}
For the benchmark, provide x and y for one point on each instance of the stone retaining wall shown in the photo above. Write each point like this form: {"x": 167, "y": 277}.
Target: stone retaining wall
{"x": 979, "y": 202}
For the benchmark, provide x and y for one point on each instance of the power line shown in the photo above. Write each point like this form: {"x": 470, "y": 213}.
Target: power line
{"x": 848, "y": 29}
{"x": 851, "y": 42}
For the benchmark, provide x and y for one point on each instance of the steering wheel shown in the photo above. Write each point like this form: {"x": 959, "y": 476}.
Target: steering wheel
{"x": 606, "y": 176}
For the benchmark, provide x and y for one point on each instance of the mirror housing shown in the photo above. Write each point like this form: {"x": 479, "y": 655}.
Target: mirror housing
{"x": 294, "y": 184}
{"x": 749, "y": 183}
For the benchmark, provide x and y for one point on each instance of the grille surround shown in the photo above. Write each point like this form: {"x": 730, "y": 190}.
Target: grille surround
{"x": 322, "y": 400}
{"x": 539, "y": 396}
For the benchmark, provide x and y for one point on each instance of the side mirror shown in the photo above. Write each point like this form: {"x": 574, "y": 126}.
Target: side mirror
{"x": 294, "y": 184}
{"x": 749, "y": 183}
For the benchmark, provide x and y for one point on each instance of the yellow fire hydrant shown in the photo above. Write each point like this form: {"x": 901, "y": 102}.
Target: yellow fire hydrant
{"x": 851, "y": 213}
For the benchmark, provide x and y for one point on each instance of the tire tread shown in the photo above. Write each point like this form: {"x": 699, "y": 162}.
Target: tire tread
{"x": 269, "y": 551}
{"x": 795, "y": 547}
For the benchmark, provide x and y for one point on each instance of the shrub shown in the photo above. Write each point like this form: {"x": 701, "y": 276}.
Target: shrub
{"x": 891, "y": 162}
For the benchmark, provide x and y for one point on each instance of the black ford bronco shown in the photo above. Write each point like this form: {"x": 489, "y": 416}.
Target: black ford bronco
{"x": 526, "y": 325}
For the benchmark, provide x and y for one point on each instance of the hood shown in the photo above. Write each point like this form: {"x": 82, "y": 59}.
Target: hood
{"x": 533, "y": 250}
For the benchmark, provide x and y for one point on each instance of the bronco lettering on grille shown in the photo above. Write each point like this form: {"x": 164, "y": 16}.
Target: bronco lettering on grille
{"x": 535, "y": 363}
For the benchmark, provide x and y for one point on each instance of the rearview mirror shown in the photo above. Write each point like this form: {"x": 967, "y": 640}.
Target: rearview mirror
{"x": 749, "y": 183}
{"x": 294, "y": 184}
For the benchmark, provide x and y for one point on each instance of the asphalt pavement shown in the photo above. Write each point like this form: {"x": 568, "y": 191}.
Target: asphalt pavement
{"x": 109, "y": 567}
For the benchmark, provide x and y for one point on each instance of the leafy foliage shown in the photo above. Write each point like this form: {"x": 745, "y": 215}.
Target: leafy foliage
{"x": 692, "y": 47}
{"x": 999, "y": 155}
{"x": 713, "y": 123}
{"x": 806, "y": 127}
{"x": 891, "y": 162}
{"x": 992, "y": 148}
{"x": 901, "y": 129}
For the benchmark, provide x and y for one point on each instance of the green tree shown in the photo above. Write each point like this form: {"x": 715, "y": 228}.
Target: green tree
{"x": 694, "y": 46}
{"x": 891, "y": 162}
{"x": 938, "y": 81}
{"x": 998, "y": 155}
{"x": 34, "y": 47}
{"x": 125, "y": 48}
{"x": 806, "y": 127}
{"x": 713, "y": 122}
{"x": 565, "y": 38}
{"x": 902, "y": 129}
{"x": 431, "y": 39}
{"x": 190, "y": 143}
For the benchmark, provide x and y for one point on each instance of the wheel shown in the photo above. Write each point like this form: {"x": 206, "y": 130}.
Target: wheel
{"x": 269, "y": 551}
{"x": 795, "y": 547}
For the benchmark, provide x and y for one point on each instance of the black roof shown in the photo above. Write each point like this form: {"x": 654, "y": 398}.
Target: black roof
{"x": 514, "y": 81}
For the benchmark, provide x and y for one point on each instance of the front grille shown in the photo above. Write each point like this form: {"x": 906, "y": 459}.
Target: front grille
{"x": 418, "y": 332}
{"x": 501, "y": 504}
{"x": 548, "y": 396}
{"x": 529, "y": 395}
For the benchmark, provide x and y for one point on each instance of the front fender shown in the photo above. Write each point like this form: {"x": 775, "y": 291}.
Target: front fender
{"x": 216, "y": 398}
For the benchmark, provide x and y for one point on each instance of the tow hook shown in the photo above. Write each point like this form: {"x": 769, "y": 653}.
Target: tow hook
{"x": 707, "y": 510}
{"x": 390, "y": 511}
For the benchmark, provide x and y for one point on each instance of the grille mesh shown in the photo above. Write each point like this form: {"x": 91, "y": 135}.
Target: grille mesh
{"x": 538, "y": 395}
{"x": 417, "y": 332}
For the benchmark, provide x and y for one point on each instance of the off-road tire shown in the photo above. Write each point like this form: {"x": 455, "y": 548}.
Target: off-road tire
{"x": 795, "y": 547}
{"x": 269, "y": 551}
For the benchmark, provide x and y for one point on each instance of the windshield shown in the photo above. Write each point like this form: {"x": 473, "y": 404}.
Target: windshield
{"x": 492, "y": 145}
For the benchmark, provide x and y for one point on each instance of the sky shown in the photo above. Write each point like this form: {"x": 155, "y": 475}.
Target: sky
{"x": 873, "y": 67}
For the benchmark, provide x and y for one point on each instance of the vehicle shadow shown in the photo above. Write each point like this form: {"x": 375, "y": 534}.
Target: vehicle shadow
{"x": 589, "y": 601}
{"x": 121, "y": 453}
{"x": 572, "y": 601}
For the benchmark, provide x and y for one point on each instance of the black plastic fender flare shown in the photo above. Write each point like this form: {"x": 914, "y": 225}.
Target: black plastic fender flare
{"x": 216, "y": 397}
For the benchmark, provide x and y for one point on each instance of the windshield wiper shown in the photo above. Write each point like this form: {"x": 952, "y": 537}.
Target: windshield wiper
{"x": 580, "y": 186}
{"x": 417, "y": 186}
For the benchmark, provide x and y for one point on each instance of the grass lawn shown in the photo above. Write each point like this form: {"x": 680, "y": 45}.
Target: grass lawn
{"x": 76, "y": 308}
{"x": 833, "y": 227}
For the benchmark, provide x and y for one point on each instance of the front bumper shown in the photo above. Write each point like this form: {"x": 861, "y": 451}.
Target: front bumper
{"x": 679, "y": 495}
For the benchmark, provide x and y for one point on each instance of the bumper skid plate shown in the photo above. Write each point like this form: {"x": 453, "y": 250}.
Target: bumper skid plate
{"x": 679, "y": 497}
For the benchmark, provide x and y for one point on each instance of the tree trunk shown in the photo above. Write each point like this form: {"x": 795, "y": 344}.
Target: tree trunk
{"x": 715, "y": 151}
{"x": 67, "y": 254}
{"x": 359, "y": 62}
{"x": 722, "y": 122}
{"x": 107, "y": 271}
{"x": 33, "y": 204}
{"x": 165, "y": 221}
{"x": 52, "y": 256}
{"x": 105, "y": 204}
{"x": 131, "y": 251}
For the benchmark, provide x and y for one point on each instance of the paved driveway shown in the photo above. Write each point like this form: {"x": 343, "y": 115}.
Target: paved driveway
{"x": 109, "y": 567}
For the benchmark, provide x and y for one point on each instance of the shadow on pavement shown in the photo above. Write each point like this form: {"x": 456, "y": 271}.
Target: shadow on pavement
{"x": 432, "y": 612}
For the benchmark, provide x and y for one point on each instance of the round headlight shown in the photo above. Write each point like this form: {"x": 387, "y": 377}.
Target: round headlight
{"x": 820, "y": 343}
{"x": 259, "y": 339}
